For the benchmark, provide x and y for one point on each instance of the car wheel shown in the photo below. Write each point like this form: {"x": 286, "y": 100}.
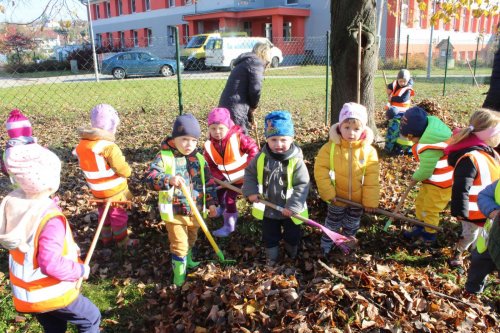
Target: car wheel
{"x": 275, "y": 62}
{"x": 119, "y": 73}
{"x": 166, "y": 70}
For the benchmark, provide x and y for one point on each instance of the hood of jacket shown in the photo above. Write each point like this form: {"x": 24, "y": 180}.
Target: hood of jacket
{"x": 435, "y": 132}
{"x": 249, "y": 57}
{"x": 95, "y": 134}
{"x": 366, "y": 138}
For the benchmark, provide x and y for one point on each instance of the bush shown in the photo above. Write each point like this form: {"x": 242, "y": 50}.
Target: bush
{"x": 47, "y": 65}
{"x": 84, "y": 57}
{"x": 415, "y": 61}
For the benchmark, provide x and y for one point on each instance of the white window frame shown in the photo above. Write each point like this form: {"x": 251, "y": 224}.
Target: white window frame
{"x": 287, "y": 31}
{"x": 122, "y": 39}
{"x": 171, "y": 3}
{"x": 170, "y": 35}
{"x": 119, "y": 7}
{"x": 97, "y": 11}
{"x": 149, "y": 36}
{"x": 133, "y": 6}
{"x": 185, "y": 27}
{"x": 147, "y": 5}
{"x": 292, "y": 2}
{"x": 98, "y": 40}
{"x": 268, "y": 31}
{"x": 405, "y": 13}
{"x": 135, "y": 35}
{"x": 107, "y": 6}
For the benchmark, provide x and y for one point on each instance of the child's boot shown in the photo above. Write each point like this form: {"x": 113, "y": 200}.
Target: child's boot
{"x": 189, "y": 260}
{"x": 457, "y": 260}
{"x": 229, "y": 225}
{"x": 415, "y": 233}
{"x": 179, "y": 270}
{"x": 272, "y": 255}
{"x": 291, "y": 250}
{"x": 106, "y": 235}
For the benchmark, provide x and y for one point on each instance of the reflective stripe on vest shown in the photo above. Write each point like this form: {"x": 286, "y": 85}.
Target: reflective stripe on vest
{"x": 101, "y": 178}
{"x": 482, "y": 239}
{"x": 32, "y": 290}
{"x": 487, "y": 173}
{"x": 165, "y": 198}
{"x": 442, "y": 175}
{"x": 258, "y": 208}
{"x": 232, "y": 164}
{"x": 401, "y": 106}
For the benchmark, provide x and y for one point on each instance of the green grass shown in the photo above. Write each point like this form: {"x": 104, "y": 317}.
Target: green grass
{"x": 41, "y": 74}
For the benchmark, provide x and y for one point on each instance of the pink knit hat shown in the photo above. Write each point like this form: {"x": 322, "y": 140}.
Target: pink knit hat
{"x": 354, "y": 111}
{"x": 105, "y": 117}
{"x": 18, "y": 125}
{"x": 220, "y": 116}
{"x": 34, "y": 168}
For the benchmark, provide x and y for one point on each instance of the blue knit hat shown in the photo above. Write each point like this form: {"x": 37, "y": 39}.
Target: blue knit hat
{"x": 278, "y": 123}
{"x": 414, "y": 122}
{"x": 186, "y": 125}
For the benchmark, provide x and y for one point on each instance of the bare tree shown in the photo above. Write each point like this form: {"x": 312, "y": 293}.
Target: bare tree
{"x": 51, "y": 9}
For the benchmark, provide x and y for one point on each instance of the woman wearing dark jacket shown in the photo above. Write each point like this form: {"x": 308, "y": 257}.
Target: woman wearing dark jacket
{"x": 242, "y": 92}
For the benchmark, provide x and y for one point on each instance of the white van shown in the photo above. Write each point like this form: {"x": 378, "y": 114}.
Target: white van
{"x": 221, "y": 52}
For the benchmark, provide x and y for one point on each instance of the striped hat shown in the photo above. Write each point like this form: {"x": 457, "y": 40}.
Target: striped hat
{"x": 18, "y": 125}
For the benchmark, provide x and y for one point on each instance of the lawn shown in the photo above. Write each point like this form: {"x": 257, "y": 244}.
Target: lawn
{"x": 386, "y": 285}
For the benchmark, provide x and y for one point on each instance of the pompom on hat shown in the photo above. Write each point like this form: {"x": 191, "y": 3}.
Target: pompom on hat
{"x": 278, "y": 123}
{"x": 414, "y": 122}
{"x": 18, "y": 125}
{"x": 220, "y": 116}
{"x": 34, "y": 168}
{"x": 186, "y": 125}
{"x": 353, "y": 110}
{"x": 105, "y": 117}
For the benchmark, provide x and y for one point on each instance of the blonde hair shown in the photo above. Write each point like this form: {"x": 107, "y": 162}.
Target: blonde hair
{"x": 355, "y": 121}
{"x": 263, "y": 51}
{"x": 479, "y": 121}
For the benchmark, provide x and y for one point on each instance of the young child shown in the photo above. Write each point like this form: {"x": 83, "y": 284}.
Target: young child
{"x": 19, "y": 132}
{"x": 476, "y": 165}
{"x": 179, "y": 162}
{"x": 347, "y": 167}
{"x": 227, "y": 152}
{"x": 106, "y": 172}
{"x": 428, "y": 133}
{"x": 394, "y": 143}
{"x": 400, "y": 91}
{"x": 44, "y": 264}
{"x": 485, "y": 258}
{"x": 278, "y": 174}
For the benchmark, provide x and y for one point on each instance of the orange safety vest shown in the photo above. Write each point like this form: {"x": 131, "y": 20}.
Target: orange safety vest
{"x": 102, "y": 180}
{"x": 487, "y": 172}
{"x": 232, "y": 164}
{"x": 401, "y": 106}
{"x": 32, "y": 290}
{"x": 442, "y": 176}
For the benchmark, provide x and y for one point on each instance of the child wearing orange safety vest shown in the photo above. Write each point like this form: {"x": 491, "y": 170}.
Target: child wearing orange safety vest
{"x": 44, "y": 263}
{"x": 106, "y": 172}
{"x": 476, "y": 165}
{"x": 227, "y": 152}
{"x": 400, "y": 91}
{"x": 429, "y": 135}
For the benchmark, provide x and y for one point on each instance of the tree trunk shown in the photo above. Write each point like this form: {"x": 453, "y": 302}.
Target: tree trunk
{"x": 492, "y": 100}
{"x": 345, "y": 18}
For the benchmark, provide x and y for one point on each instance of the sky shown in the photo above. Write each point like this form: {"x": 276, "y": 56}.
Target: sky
{"x": 27, "y": 10}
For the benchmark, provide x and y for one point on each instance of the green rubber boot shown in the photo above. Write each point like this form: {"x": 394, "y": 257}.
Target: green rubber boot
{"x": 179, "y": 270}
{"x": 189, "y": 260}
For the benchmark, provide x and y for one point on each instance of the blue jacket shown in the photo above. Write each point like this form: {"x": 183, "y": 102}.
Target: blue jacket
{"x": 486, "y": 199}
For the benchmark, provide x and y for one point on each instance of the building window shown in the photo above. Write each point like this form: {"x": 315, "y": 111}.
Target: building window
{"x": 292, "y": 2}
{"x": 132, "y": 6}
{"x": 188, "y": 2}
{"x": 247, "y": 27}
{"x": 171, "y": 3}
{"x": 185, "y": 29}
{"x": 287, "y": 31}
{"x": 268, "y": 28}
{"x": 405, "y": 13}
{"x": 97, "y": 13}
{"x": 136, "y": 38}
{"x": 122, "y": 39}
{"x": 170, "y": 35}
{"x": 147, "y": 5}
{"x": 98, "y": 40}
{"x": 119, "y": 7}
{"x": 107, "y": 5}
{"x": 149, "y": 37}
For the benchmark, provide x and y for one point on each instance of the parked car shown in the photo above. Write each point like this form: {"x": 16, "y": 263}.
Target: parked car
{"x": 141, "y": 63}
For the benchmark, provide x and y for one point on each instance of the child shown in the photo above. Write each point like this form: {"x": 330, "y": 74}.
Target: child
{"x": 476, "y": 165}
{"x": 106, "y": 172}
{"x": 428, "y": 133}
{"x": 178, "y": 163}
{"x": 394, "y": 143}
{"x": 227, "y": 152}
{"x": 347, "y": 167}
{"x": 278, "y": 174}
{"x": 400, "y": 91}
{"x": 20, "y": 133}
{"x": 485, "y": 258}
{"x": 44, "y": 263}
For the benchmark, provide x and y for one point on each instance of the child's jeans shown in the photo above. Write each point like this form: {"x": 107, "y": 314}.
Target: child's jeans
{"x": 344, "y": 220}
{"x": 431, "y": 200}
{"x": 227, "y": 198}
{"x": 273, "y": 230}
{"x": 470, "y": 231}
{"x": 82, "y": 312}
{"x": 115, "y": 224}
{"x": 182, "y": 234}
{"x": 481, "y": 265}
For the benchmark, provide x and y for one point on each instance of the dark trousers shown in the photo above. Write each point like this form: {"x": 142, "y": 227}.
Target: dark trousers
{"x": 227, "y": 199}
{"x": 481, "y": 265}
{"x": 274, "y": 230}
{"x": 344, "y": 220}
{"x": 82, "y": 312}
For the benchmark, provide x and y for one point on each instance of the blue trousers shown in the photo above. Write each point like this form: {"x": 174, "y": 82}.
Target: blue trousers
{"x": 82, "y": 312}
{"x": 273, "y": 230}
{"x": 481, "y": 265}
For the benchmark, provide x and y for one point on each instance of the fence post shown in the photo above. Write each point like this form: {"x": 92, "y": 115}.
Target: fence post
{"x": 178, "y": 61}
{"x": 92, "y": 41}
{"x": 446, "y": 65}
{"x": 406, "y": 57}
{"x": 475, "y": 62}
{"x": 327, "y": 76}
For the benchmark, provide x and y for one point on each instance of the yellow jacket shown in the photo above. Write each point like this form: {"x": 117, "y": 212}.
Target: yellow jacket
{"x": 356, "y": 170}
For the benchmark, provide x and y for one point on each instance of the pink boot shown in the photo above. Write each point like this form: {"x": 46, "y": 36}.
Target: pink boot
{"x": 229, "y": 225}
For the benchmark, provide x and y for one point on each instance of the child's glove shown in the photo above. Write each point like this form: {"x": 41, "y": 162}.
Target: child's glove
{"x": 253, "y": 198}
{"x": 212, "y": 211}
{"x": 86, "y": 271}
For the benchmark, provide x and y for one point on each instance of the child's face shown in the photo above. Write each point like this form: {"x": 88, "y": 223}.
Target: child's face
{"x": 402, "y": 82}
{"x": 279, "y": 144}
{"x": 218, "y": 131}
{"x": 351, "y": 130}
{"x": 185, "y": 144}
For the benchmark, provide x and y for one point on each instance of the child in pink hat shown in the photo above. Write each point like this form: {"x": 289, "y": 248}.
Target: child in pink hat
{"x": 227, "y": 151}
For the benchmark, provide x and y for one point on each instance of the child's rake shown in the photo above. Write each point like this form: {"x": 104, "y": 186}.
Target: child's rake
{"x": 203, "y": 226}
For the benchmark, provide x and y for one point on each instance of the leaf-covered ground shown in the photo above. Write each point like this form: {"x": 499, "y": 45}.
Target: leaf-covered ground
{"x": 386, "y": 285}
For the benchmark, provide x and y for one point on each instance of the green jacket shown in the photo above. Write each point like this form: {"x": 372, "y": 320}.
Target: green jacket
{"x": 435, "y": 132}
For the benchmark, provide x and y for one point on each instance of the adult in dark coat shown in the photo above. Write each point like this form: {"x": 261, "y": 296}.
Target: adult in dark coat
{"x": 241, "y": 95}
